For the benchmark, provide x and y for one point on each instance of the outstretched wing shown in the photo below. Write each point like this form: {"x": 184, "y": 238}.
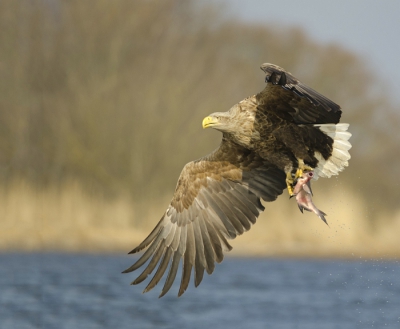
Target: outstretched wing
{"x": 216, "y": 198}
{"x": 287, "y": 97}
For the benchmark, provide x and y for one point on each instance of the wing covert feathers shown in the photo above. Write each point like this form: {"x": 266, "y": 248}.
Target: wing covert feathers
{"x": 220, "y": 209}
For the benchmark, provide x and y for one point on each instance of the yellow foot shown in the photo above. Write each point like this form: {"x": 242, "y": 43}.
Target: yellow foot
{"x": 301, "y": 169}
{"x": 292, "y": 179}
{"x": 289, "y": 183}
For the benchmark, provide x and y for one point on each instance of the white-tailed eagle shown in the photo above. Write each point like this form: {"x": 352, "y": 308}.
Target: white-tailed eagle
{"x": 268, "y": 141}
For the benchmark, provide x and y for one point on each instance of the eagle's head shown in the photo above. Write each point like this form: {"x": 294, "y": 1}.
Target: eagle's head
{"x": 221, "y": 121}
{"x": 237, "y": 123}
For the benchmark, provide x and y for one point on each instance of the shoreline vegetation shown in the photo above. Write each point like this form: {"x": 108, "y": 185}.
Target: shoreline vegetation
{"x": 70, "y": 220}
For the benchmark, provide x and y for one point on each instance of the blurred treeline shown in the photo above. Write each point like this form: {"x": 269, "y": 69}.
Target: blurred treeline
{"x": 112, "y": 93}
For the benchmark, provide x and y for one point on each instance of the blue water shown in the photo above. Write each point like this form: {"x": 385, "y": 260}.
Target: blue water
{"x": 86, "y": 291}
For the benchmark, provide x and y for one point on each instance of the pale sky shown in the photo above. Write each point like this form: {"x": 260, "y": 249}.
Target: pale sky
{"x": 370, "y": 28}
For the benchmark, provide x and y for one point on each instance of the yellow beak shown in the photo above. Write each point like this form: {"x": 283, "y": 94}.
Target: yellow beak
{"x": 209, "y": 121}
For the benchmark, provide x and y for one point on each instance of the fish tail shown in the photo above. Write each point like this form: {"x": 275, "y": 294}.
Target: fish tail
{"x": 322, "y": 215}
{"x": 300, "y": 207}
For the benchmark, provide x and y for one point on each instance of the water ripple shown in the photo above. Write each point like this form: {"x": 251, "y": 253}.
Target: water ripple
{"x": 67, "y": 291}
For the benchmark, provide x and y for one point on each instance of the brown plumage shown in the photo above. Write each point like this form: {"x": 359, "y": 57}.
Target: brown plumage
{"x": 266, "y": 138}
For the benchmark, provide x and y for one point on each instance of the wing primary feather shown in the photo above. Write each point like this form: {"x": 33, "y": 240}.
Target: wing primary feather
{"x": 160, "y": 271}
{"x": 152, "y": 264}
{"x": 215, "y": 241}
{"x": 199, "y": 243}
{"x": 188, "y": 260}
{"x": 248, "y": 204}
{"x": 225, "y": 220}
{"x": 171, "y": 274}
{"x": 200, "y": 260}
{"x": 246, "y": 223}
{"x": 272, "y": 183}
{"x": 186, "y": 271}
{"x": 182, "y": 242}
{"x": 231, "y": 202}
{"x": 245, "y": 209}
{"x": 208, "y": 249}
{"x": 175, "y": 262}
{"x": 170, "y": 237}
{"x": 224, "y": 206}
{"x": 259, "y": 189}
{"x": 176, "y": 240}
{"x": 217, "y": 221}
{"x": 224, "y": 243}
{"x": 255, "y": 200}
{"x": 198, "y": 272}
{"x": 143, "y": 259}
{"x": 150, "y": 237}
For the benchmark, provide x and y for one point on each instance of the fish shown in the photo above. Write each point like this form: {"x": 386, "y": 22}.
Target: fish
{"x": 303, "y": 193}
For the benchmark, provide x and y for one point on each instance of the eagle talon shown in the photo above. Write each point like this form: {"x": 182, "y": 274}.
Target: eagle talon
{"x": 292, "y": 177}
{"x": 290, "y": 183}
{"x": 301, "y": 169}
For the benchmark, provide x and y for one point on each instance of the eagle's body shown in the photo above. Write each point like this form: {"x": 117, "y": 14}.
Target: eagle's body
{"x": 268, "y": 140}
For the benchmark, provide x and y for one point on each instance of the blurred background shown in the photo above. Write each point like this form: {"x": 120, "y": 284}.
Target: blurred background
{"x": 101, "y": 104}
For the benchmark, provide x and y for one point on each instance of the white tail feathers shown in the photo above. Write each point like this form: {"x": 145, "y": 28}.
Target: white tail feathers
{"x": 340, "y": 153}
